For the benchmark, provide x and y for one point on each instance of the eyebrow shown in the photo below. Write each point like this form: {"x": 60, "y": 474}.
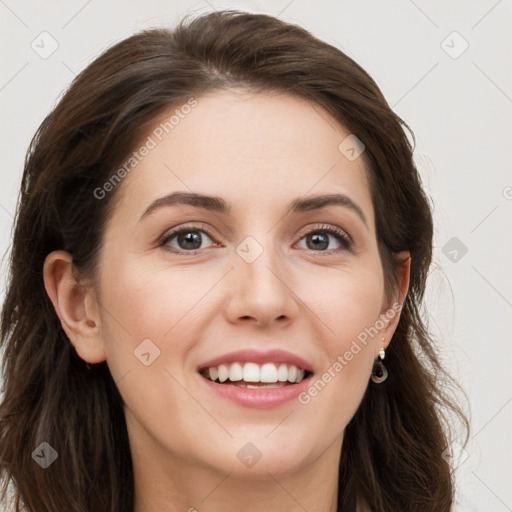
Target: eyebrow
{"x": 219, "y": 205}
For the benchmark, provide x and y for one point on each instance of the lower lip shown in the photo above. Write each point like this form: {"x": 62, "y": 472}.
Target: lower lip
{"x": 264, "y": 398}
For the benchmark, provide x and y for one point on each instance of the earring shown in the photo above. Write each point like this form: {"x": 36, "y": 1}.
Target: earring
{"x": 379, "y": 371}
{"x": 88, "y": 366}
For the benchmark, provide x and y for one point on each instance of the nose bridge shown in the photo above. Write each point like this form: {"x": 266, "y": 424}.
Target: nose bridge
{"x": 259, "y": 289}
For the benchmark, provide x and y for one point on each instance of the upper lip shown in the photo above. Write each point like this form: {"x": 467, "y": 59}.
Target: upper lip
{"x": 259, "y": 357}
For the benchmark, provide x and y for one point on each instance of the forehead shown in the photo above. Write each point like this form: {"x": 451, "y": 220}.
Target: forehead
{"x": 254, "y": 149}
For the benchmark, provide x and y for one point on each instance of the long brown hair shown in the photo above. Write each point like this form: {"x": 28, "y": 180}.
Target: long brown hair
{"x": 392, "y": 454}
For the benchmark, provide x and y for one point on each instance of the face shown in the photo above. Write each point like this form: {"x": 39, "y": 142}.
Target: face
{"x": 265, "y": 286}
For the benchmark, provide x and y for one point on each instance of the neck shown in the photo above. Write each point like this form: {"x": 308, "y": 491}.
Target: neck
{"x": 232, "y": 495}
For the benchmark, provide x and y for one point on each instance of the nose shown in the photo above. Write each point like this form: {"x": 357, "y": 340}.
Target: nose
{"x": 261, "y": 292}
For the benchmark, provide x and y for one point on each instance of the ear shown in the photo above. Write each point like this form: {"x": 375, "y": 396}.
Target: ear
{"x": 75, "y": 305}
{"x": 391, "y": 312}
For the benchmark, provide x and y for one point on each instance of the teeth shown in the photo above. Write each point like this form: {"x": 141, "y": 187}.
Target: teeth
{"x": 251, "y": 372}
{"x": 214, "y": 373}
{"x": 236, "y": 372}
{"x": 223, "y": 372}
{"x": 269, "y": 373}
{"x": 292, "y": 373}
{"x": 282, "y": 373}
{"x": 262, "y": 385}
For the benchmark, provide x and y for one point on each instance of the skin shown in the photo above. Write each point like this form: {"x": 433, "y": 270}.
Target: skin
{"x": 262, "y": 152}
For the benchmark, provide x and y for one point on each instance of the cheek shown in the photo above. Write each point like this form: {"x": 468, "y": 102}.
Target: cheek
{"x": 154, "y": 314}
{"x": 149, "y": 300}
{"x": 357, "y": 326}
{"x": 146, "y": 318}
{"x": 349, "y": 306}
{"x": 346, "y": 301}
{"x": 149, "y": 325}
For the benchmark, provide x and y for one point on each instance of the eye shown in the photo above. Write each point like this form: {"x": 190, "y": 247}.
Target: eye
{"x": 187, "y": 238}
{"x": 318, "y": 239}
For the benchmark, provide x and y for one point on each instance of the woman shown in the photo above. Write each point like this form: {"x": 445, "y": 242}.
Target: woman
{"x": 219, "y": 260}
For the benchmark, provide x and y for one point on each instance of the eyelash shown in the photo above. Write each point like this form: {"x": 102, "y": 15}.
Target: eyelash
{"x": 343, "y": 238}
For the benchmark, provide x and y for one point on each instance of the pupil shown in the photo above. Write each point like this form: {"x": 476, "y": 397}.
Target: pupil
{"x": 318, "y": 238}
{"x": 190, "y": 237}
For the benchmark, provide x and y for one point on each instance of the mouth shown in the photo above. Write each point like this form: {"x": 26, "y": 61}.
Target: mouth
{"x": 252, "y": 375}
{"x": 257, "y": 379}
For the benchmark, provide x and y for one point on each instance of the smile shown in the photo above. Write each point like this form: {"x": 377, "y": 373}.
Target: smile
{"x": 254, "y": 376}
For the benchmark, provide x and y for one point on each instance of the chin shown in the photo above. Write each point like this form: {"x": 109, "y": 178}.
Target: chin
{"x": 254, "y": 457}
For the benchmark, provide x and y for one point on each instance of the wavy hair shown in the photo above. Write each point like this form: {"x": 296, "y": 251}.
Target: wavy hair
{"x": 392, "y": 456}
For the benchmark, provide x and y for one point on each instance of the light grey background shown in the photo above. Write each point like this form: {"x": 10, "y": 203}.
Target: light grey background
{"x": 458, "y": 103}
